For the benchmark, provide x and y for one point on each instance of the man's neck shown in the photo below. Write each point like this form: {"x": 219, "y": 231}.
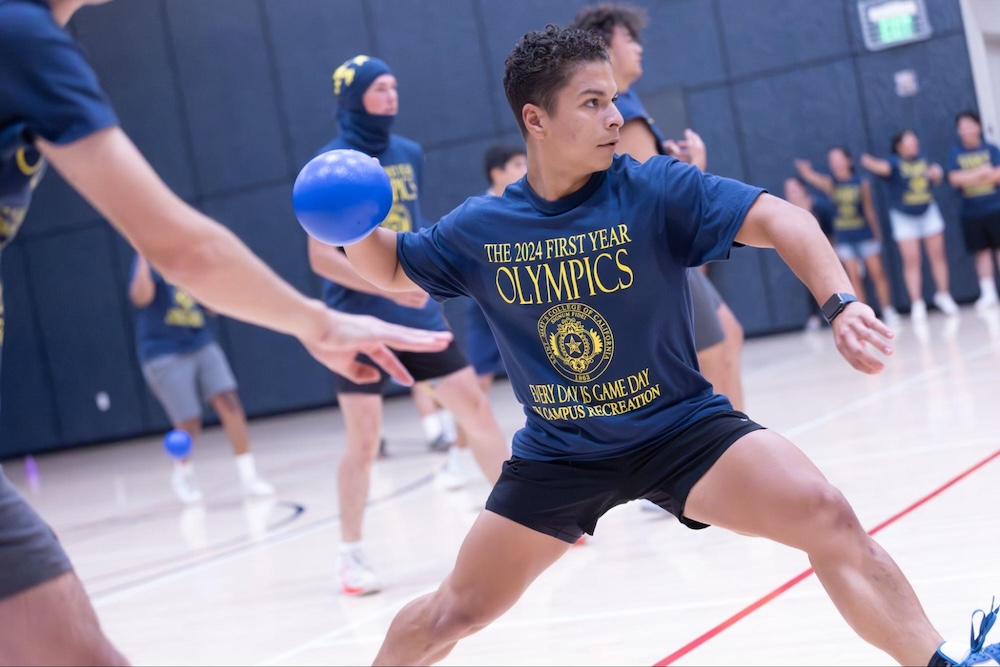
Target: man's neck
{"x": 553, "y": 182}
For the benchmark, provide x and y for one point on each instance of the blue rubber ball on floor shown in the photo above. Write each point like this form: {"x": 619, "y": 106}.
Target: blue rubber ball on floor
{"x": 342, "y": 195}
{"x": 177, "y": 443}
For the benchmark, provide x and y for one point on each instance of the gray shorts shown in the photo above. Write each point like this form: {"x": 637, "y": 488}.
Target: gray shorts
{"x": 705, "y": 302}
{"x": 30, "y": 554}
{"x": 182, "y": 381}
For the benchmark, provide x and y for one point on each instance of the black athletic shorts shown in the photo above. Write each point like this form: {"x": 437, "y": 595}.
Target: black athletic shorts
{"x": 422, "y": 366}
{"x": 981, "y": 232}
{"x": 565, "y": 499}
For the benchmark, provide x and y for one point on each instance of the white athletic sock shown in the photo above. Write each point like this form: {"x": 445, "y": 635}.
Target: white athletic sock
{"x": 988, "y": 288}
{"x": 447, "y": 421}
{"x": 185, "y": 467}
{"x": 432, "y": 426}
{"x": 245, "y": 466}
{"x": 455, "y": 456}
{"x": 347, "y": 548}
{"x": 954, "y": 651}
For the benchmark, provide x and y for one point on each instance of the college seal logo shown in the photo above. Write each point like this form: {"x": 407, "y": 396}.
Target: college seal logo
{"x": 577, "y": 341}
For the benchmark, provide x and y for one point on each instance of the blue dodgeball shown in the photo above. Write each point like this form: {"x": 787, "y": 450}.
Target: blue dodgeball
{"x": 342, "y": 195}
{"x": 177, "y": 443}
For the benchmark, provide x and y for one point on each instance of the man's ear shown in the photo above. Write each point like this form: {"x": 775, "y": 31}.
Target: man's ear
{"x": 535, "y": 120}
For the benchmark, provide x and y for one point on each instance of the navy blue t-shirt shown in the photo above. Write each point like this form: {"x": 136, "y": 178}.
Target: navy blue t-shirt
{"x": 979, "y": 200}
{"x": 47, "y": 90}
{"x": 631, "y": 108}
{"x": 824, "y": 211}
{"x": 909, "y": 187}
{"x": 403, "y": 160}
{"x": 588, "y": 298}
{"x": 849, "y": 223}
{"x": 172, "y": 323}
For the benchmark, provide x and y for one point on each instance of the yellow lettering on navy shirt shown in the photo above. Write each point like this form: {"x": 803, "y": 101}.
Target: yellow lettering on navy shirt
{"x": 608, "y": 398}
{"x": 404, "y": 189}
{"x": 565, "y": 268}
{"x": 974, "y": 161}
{"x": 847, "y": 197}
{"x": 562, "y": 273}
{"x": 918, "y": 189}
{"x": 185, "y": 312}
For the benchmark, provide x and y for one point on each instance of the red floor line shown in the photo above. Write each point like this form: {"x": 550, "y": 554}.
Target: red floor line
{"x": 732, "y": 620}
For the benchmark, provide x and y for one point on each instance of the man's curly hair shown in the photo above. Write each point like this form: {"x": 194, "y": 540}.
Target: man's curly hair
{"x": 543, "y": 61}
{"x": 604, "y": 18}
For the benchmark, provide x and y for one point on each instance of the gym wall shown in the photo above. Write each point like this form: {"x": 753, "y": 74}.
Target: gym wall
{"x": 228, "y": 98}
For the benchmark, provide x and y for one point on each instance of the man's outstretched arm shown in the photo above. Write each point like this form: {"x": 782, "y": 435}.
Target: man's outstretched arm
{"x": 209, "y": 261}
{"x": 774, "y": 223}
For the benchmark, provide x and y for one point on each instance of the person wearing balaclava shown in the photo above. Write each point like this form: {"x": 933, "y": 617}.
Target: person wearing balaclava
{"x": 367, "y": 103}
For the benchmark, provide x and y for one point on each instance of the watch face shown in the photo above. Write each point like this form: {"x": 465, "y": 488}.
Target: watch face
{"x": 837, "y": 303}
{"x": 833, "y": 306}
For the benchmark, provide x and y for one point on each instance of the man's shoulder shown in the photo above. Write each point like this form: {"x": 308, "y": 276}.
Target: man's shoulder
{"x": 25, "y": 22}
{"x": 407, "y": 145}
{"x": 625, "y": 168}
{"x": 476, "y": 212}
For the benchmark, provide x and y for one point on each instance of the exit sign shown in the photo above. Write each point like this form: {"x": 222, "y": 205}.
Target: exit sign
{"x": 886, "y": 23}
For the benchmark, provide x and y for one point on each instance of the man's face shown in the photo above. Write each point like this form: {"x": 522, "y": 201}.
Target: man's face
{"x": 511, "y": 172}
{"x": 580, "y": 132}
{"x": 909, "y": 146}
{"x": 381, "y": 98}
{"x": 969, "y": 131}
{"x": 626, "y": 54}
{"x": 840, "y": 164}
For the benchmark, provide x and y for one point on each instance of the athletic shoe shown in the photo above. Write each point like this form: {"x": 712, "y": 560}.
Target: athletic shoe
{"x": 450, "y": 476}
{"x": 440, "y": 443}
{"x": 255, "y": 487}
{"x": 945, "y": 303}
{"x": 978, "y": 654}
{"x": 356, "y": 575}
{"x": 185, "y": 484}
{"x": 986, "y": 301}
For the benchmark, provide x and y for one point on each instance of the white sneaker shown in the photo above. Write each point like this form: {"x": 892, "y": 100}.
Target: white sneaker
{"x": 449, "y": 477}
{"x": 986, "y": 301}
{"x": 945, "y": 303}
{"x": 185, "y": 484}
{"x": 255, "y": 487}
{"x": 918, "y": 311}
{"x": 356, "y": 575}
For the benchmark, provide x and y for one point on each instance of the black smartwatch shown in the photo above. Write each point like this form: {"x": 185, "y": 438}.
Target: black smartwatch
{"x": 836, "y": 303}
